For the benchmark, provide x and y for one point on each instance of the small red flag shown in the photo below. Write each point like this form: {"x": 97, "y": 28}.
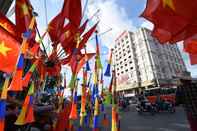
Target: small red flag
{"x": 23, "y": 16}
{"x": 73, "y": 12}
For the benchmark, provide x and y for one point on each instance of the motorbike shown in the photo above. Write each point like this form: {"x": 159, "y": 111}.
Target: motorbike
{"x": 165, "y": 106}
{"x": 145, "y": 106}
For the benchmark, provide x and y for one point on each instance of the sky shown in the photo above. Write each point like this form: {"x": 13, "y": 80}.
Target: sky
{"x": 118, "y": 15}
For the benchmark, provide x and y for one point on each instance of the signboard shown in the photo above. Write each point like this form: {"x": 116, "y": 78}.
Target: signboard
{"x": 123, "y": 79}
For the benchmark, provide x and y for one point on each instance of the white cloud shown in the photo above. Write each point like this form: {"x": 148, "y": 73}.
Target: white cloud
{"x": 147, "y": 24}
{"x": 111, "y": 16}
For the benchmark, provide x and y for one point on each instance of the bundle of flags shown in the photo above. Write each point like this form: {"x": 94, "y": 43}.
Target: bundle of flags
{"x": 83, "y": 98}
{"x": 174, "y": 21}
{"x": 17, "y": 42}
{"x": 27, "y": 114}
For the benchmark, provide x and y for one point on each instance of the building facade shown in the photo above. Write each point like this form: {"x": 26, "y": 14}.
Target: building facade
{"x": 141, "y": 62}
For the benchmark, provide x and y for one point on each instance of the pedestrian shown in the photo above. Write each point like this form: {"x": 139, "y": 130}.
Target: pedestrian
{"x": 189, "y": 101}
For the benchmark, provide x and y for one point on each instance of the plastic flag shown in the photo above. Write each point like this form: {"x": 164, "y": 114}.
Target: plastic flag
{"x": 5, "y": 89}
{"x": 108, "y": 70}
{"x": 105, "y": 121}
{"x": 2, "y": 114}
{"x": 16, "y": 84}
{"x": 28, "y": 75}
{"x": 98, "y": 59}
{"x": 27, "y": 114}
{"x": 73, "y": 113}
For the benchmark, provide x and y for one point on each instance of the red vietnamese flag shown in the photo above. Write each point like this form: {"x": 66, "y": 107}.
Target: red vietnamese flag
{"x": 56, "y": 24}
{"x": 190, "y": 45}
{"x": 170, "y": 17}
{"x": 9, "y": 51}
{"x": 55, "y": 27}
{"x": 87, "y": 36}
{"x": 7, "y": 25}
{"x": 85, "y": 39}
{"x": 73, "y": 12}
{"x": 193, "y": 59}
{"x": 69, "y": 34}
{"x": 23, "y": 16}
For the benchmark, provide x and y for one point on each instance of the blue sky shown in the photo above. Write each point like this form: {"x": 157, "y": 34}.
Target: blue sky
{"x": 119, "y": 15}
{"x": 123, "y": 14}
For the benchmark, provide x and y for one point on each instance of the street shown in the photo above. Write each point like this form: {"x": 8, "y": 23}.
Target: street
{"x": 164, "y": 121}
{"x": 132, "y": 121}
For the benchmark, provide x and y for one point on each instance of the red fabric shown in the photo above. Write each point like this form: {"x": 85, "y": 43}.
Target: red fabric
{"x": 170, "y": 22}
{"x": 63, "y": 119}
{"x": 16, "y": 84}
{"x": 23, "y": 16}
{"x": 55, "y": 26}
{"x": 35, "y": 48}
{"x": 54, "y": 71}
{"x": 193, "y": 59}
{"x": 9, "y": 57}
{"x": 30, "y": 115}
{"x": 190, "y": 45}
{"x": 69, "y": 33}
{"x": 192, "y": 122}
{"x": 26, "y": 79}
{"x": 73, "y": 12}
{"x": 66, "y": 60}
{"x": 83, "y": 61}
{"x": 8, "y": 25}
{"x": 86, "y": 36}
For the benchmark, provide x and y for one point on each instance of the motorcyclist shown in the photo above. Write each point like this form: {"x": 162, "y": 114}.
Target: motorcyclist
{"x": 142, "y": 99}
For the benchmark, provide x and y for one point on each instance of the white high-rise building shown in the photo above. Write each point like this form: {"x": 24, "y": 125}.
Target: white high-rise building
{"x": 142, "y": 62}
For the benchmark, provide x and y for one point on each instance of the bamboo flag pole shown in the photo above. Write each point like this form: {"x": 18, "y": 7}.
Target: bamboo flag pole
{"x": 24, "y": 46}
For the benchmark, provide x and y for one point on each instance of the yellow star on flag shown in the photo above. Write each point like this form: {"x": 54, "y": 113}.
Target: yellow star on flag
{"x": 25, "y": 9}
{"x": 4, "y": 25}
{"x": 168, "y": 3}
{"x": 4, "y": 49}
{"x": 67, "y": 34}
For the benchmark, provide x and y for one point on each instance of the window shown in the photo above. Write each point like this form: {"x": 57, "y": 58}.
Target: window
{"x": 122, "y": 72}
{"x": 125, "y": 64}
{"x": 125, "y": 59}
{"x": 129, "y": 57}
{"x": 131, "y": 68}
{"x": 126, "y": 37}
{"x": 126, "y": 70}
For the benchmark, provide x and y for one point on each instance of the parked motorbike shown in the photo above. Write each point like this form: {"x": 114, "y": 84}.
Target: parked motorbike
{"x": 145, "y": 106}
{"x": 165, "y": 106}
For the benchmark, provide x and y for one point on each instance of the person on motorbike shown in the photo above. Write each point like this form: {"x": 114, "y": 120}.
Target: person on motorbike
{"x": 142, "y": 100}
